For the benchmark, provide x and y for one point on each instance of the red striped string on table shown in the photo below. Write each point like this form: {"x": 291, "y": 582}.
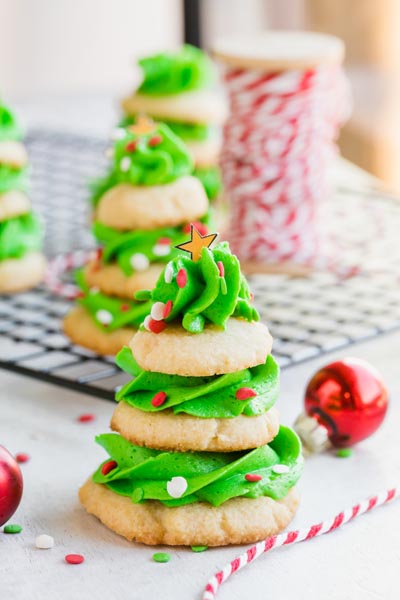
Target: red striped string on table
{"x": 279, "y": 142}
{"x": 292, "y": 537}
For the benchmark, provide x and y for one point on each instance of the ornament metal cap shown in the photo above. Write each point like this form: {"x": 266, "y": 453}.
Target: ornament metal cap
{"x": 313, "y": 435}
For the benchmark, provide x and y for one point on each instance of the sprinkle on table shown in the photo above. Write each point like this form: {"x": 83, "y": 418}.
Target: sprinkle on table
{"x": 199, "y": 548}
{"x": 22, "y": 457}
{"x": 86, "y": 418}
{"x": 12, "y": 528}
{"x": 44, "y": 541}
{"x": 252, "y": 477}
{"x": 245, "y": 393}
{"x": 344, "y": 452}
{"x": 74, "y": 559}
{"x": 161, "y": 557}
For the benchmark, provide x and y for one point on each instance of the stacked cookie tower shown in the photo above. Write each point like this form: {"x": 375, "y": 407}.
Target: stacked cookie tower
{"x": 22, "y": 265}
{"x": 178, "y": 88}
{"x": 199, "y": 457}
{"x": 141, "y": 211}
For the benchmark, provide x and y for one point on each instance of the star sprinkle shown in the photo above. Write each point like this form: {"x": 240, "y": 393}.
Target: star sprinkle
{"x": 197, "y": 243}
{"x": 142, "y": 126}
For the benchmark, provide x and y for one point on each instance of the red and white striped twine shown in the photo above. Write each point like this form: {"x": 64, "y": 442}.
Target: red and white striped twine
{"x": 292, "y": 537}
{"x": 61, "y": 264}
{"x": 279, "y": 142}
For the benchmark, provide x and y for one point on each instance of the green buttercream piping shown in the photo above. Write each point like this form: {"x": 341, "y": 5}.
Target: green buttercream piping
{"x": 20, "y": 235}
{"x": 13, "y": 179}
{"x": 143, "y": 474}
{"x": 10, "y": 128}
{"x": 139, "y": 161}
{"x": 205, "y": 397}
{"x": 124, "y": 313}
{"x": 210, "y": 177}
{"x": 173, "y": 73}
{"x": 187, "y": 131}
{"x": 207, "y": 297}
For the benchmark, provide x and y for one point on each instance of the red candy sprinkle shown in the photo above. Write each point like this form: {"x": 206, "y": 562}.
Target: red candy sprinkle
{"x": 86, "y": 418}
{"x": 252, "y": 477}
{"x": 124, "y": 307}
{"x": 157, "y": 326}
{"x": 245, "y": 393}
{"x": 221, "y": 268}
{"x": 181, "y": 278}
{"x": 159, "y": 399}
{"x": 201, "y": 228}
{"x": 80, "y": 295}
{"x": 99, "y": 253}
{"x": 155, "y": 140}
{"x": 164, "y": 240}
{"x": 131, "y": 146}
{"x": 167, "y": 309}
{"x": 74, "y": 559}
{"x": 22, "y": 457}
{"x": 110, "y": 465}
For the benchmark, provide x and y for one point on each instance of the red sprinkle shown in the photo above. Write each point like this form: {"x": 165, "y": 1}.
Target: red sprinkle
{"x": 99, "y": 253}
{"x": 252, "y": 477}
{"x": 74, "y": 559}
{"x": 155, "y": 141}
{"x": 157, "y": 326}
{"x": 167, "y": 309}
{"x": 86, "y": 418}
{"x": 245, "y": 393}
{"x": 251, "y": 297}
{"x": 80, "y": 295}
{"x": 22, "y": 457}
{"x": 181, "y": 278}
{"x": 110, "y": 465}
{"x": 124, "y": 307}
{"x": 131, "y": 146}
{"x": 159, "y": 399}
{"x": 201, "y": 228}
{"x": 221, "y": 268}
{"x": 164, "y": 240}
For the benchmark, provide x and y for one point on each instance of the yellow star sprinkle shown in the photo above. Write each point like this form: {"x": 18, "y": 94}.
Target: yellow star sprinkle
{"x": 196, "y": 243}
{"x": 142, "y": 126}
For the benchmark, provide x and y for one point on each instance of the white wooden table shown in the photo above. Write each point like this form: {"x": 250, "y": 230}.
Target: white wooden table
{"x": 361, "y": 561}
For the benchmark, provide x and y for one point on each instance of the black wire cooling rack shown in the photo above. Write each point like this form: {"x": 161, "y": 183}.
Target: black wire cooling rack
{"x": 307, "y": 317}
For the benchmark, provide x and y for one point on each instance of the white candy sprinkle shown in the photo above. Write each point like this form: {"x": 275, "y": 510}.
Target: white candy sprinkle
{"x": 280, "y": 469}
{"x": 177, "y": 487}
{"x": 104, "y": 316}
{"x": 44, "y": 541}
{"x": 139, "y": 261}
{"x": 109, "y": 153}
{"x": 118, "y": 134}
{"x": 146, "y": 322}
{"x": 161, "y": 249}
{"x": 168, "y": 273}
{"x": 157, "y": 311}
{"x": 125, "y": 164}
{"x": 94, "y": 290}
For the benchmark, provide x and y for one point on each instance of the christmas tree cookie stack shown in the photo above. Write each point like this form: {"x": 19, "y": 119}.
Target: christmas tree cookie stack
{"x": 177, "y": 88}
{"x": 141, "y": 211}
{"x": 22, "y": 265}
{"x": 198, "y": 457}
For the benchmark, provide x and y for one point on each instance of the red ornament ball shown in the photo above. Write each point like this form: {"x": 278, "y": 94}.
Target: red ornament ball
{"x": 11, "y": 485}
{"x": 349, "y": 398}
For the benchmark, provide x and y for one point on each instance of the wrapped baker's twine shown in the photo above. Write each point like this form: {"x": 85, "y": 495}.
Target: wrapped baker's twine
{"x": 288, "y": 98}
{"x": 62, "y": 264}
{"x": 292, "y": 537}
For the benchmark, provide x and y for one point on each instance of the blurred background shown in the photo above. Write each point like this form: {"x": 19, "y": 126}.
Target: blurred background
{"x": 65, "y": 63}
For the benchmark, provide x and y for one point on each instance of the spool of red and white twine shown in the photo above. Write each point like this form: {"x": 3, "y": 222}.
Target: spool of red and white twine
{"x": 288, "y": 98}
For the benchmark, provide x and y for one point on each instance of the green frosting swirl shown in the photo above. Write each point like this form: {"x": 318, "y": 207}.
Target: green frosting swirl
{"x": 10, "y": 128}
{"x": 155, "y": 157}
{"x": 143, "y": 474}
{"x": 13, "y": 179}
{"x": 20, "y": 235}
{"x": 206, "y": 297}
{"x": 187, "y": 131}
{"x": 210, "y": 177}
{"x": 206, "y": 397}
{"x": 109, "y": 313}
{"x": 173, "y": 73}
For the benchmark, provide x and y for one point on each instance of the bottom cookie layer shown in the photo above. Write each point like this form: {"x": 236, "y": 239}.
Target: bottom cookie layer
{"x": 79, "y": 326}
{"x": 237, "y": 521}
{"x": 19, "y": 274}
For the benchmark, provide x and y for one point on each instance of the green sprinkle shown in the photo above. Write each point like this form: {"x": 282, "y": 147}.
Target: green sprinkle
{"x": 12, "y": 528}
{"x": 161, "y": 557}
{"x": 199, "y": 548}
{"x": 344, "y": 452}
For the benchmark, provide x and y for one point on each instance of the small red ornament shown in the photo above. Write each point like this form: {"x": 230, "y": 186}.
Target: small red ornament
{"x": 11, "y": 485}
{"x": 347, "y": 400}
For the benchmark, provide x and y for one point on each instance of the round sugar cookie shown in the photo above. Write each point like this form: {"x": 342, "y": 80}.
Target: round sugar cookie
{"x": 201, "y": 106}
{"x": 111, "y": 280}
{"x": 215, "y": 351}
{"x": 126, "y": 207}
{"x": 205, "y": 153}
{"x": 13, "y": 204}
{"x": 13, "y": 154}
{"x": 79, "y": 326}
{"x": 19, "y": 274}
{"x": 165, "y": 431}
{"x": 237, "y": 521}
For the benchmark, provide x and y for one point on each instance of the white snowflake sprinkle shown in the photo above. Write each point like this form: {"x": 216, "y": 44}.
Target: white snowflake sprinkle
{"x": 146, "y": 322}
{"x": 125, "y": 164}
{"x": 44, "y": 541}
{"x": 104, "y": 316}
{"x": 280, "y": 469}
{"x": 168, "y": 273}
{"x": 177, "y": 487}
{"x": 157, "y": 311}
{"x": 139, "y": 261}
{"x": 161, "y": 249}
